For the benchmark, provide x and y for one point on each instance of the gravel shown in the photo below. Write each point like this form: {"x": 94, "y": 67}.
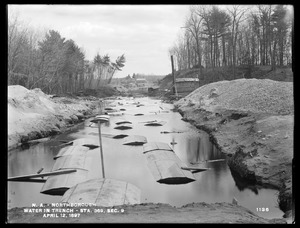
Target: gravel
{"x": 255, "y": 95}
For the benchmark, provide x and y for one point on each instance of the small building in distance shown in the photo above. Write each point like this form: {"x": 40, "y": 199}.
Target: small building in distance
{"x": 142, "y": 85}
{"x": 186, "y": 85}
{"x": 141, "y": 82}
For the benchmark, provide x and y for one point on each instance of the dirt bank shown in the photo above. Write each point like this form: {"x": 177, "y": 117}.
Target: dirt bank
{"x": 149, "y": 213}
{"x": 250, "y": 120}
{"x": 33, "y": 114}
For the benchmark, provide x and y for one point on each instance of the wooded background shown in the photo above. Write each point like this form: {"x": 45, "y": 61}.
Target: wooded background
{"x": 212, "y": 37}
{"x": 236, "y": 35}
{"x": 46, "y": 60}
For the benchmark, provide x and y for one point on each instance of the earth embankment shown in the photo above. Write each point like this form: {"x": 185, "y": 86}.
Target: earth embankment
{"x": 33, "y": 114}
{"x": 250, "y": 120}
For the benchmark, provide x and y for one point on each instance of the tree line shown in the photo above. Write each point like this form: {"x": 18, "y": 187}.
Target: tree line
{"x": 48, "y": 61}
{"x": 234, "y": 35}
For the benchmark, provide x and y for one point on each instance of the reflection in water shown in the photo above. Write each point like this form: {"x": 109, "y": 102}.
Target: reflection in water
{"x": 241, "y": 184}
{"x": 25, "y": 162}
{"x": 201, "y": 149}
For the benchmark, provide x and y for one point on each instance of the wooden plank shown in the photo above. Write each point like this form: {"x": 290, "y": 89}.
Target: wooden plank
{"x": 195, "y": 169}
{"x": 149, "y": 121}
{"x": 160, "y": 123}
{"x": 123, "y": 127}
{"x": 169, "y": 169}
{"x": 112, "y": 193}
{"x": 135, "y": 140}
{"x": 133, "y": 194}
{"x": 34, "y": 180}
{"x": 172, "y": 174}
{"x": 70, "y": 162}
{"x": 207, "y": 161}
{"x": 102, "y": 117}
{"x": 103, "y": 192}
{"x": 59, "y": 184}
{"x": 67, "y": 194}
{"x": 169, "y": 172}
{"x": 150, "y": 146}
{"x": 118, "y": 122}
{"x": 154, "y": 170}
{"x": 166, "y": 167}
{"x": 25, "y": 177}
{"x": 158, "y": 155}
{"x": 119, "y": 136}
{"x": 86, "y": 192}
{"x": 116, "y": 114}
{"x": 110, "y": 109}
{"x": 188, "y": 174}
{"x": 72, "y": 150}
{"x": 83, "y": 142}
{"x": 99, "y": 119}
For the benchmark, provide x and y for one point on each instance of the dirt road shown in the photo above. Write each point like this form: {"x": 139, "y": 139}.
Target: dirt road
{"x": 148, "y": 213}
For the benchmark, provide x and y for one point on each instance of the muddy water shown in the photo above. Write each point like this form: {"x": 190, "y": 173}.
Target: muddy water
{"x": 128, "y": 163}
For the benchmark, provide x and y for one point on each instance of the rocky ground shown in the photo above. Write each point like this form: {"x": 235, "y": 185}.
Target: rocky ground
{"x": 250, "y": 120}
{"x": 151, "y": 213}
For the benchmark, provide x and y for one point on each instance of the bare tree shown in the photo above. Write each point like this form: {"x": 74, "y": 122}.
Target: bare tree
{"x": 16, "y": 40}
{"x": 237, "y": 16}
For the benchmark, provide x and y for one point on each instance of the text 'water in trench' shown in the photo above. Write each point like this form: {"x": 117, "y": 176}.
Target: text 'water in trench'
{"x": 127, "y": 163}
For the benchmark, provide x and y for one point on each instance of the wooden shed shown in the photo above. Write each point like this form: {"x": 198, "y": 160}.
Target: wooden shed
{"x": 186, "y": 85}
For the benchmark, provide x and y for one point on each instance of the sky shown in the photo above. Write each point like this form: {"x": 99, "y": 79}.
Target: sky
{"x": 144, "y": 33}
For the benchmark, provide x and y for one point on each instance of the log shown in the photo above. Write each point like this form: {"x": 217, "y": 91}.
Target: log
{"x": 28, "y": 177}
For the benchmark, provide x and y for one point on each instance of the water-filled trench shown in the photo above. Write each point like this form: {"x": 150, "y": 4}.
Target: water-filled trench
{"x": 127, "y": 163}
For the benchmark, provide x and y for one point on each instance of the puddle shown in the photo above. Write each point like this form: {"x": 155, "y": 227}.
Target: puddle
{"x": 127, "y": 163}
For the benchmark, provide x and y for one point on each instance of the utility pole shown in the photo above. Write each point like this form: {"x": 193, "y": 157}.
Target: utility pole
{"x": 100, "y": 146}
{"x": 100, "y": 137}
{"x": 188, "y": 52}
{"x": 173, "y": 75}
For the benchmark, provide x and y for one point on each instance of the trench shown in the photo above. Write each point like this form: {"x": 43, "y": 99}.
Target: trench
{"x": 127, "y": 163}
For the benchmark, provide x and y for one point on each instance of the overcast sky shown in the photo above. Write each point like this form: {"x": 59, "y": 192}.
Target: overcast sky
{"x": 144, "y": 33}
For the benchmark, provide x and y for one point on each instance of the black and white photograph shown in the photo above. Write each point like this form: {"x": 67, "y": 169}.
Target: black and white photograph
{"x": 150, "y": 113}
